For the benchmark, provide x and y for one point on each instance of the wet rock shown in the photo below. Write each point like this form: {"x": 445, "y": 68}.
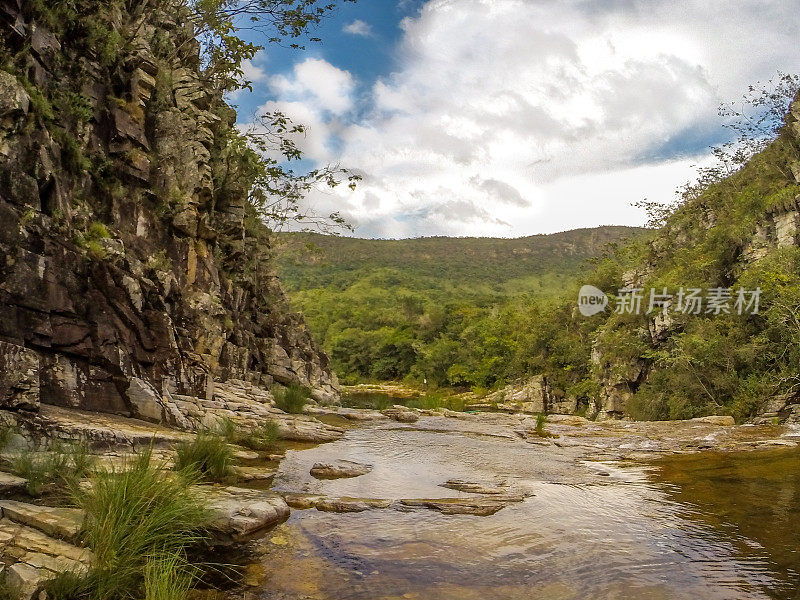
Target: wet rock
{"x": 297, "y": 429}
{"x": 333, "y": 504}
{"x": 401, "y": 414}
{"x": 339, "y": 470}
{"x": 239, "y": 514}
{"x": 248, "y": 474}
{"x": 473, "y": 488}
{"x": 481, "y": 507}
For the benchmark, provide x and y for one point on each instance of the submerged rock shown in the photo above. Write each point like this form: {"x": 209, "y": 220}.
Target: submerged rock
{"x": 339, "y": 470}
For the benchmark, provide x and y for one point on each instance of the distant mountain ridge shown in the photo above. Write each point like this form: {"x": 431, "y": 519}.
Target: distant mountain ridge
{"x": 310, "y": 260}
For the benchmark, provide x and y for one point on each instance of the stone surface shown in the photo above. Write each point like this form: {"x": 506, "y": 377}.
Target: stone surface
{"x": 239, "y": 514}
{"x": 722, "y": 420}
{"x": 33, "y": 558}
{"x": 179, "y": 293}
{"x": 339, "y": 470}
{"x": 61, "y": 523}
{"x": 19, "y": 377}
{"x": 10, "y": 484}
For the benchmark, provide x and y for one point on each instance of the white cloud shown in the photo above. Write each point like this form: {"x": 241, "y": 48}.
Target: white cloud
{"x": 358, "y": 27}
{"x": 511, "y": 117}
{"x": 315, "y": 81}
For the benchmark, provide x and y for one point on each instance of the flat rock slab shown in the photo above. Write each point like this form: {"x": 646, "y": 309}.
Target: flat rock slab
{"x": 247, "y": 474}
{"x": 105, "y": 429}
{"x": 10, "y": 484}
{"x": 300, "y": 429}
{"x": 239, "y": 514}
{"x": 62, "y": 523}
{"x": 473, "y": 488}
{"x": 481, "y": 507}
{"x": 339, "y": 470}
{"x": 333, "y": 504}
{"x": 33, "y": 558}
{"x": 478, "y": 506}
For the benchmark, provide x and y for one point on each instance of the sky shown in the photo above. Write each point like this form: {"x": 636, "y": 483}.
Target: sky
{"x": 509, "y": 118}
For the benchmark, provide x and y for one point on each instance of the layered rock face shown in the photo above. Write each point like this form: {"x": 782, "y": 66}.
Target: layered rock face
{"x": 131, "y": 268}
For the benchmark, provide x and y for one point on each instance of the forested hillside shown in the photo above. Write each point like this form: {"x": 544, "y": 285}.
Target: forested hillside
{"x": 449, "y": 310}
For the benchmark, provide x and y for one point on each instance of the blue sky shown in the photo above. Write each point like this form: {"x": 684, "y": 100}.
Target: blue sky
{"x": 516, "y": 117}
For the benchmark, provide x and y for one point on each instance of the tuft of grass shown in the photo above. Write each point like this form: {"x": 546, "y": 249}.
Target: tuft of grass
{"x": 168, "y": 577}
{"x": 136, "y": 520}
{"x": 208, "y": 455}
{"x": 7, "y": 431}
{"x": 292, "y": 398}
{"x": 60, "y": 465}
{"x": 68, "y": 585}
{"x": 261, "y": 438}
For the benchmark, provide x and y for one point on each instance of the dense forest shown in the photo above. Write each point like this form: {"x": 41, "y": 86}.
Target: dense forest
{"x": 452, "y": 311}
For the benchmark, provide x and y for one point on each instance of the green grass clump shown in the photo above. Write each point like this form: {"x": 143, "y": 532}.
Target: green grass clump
{"x": 261, "y": 438}
{"x": 68, "y": 585}
{"x": 60, "y": 465}
{"x": 208, "y": 455}
{"x": 541, "y": 421}
{"x": 139, "y": 520}
{"x": 168, "y": 577}
{"x": 292, "y": 398}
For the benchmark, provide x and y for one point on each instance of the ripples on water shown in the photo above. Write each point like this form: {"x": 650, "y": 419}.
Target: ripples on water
{"x": 701, "y": 526}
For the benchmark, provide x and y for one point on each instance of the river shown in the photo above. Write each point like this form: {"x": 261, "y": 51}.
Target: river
{"x": 711, "y": 525}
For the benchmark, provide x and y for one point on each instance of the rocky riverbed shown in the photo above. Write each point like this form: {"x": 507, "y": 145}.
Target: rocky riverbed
{"x": 435, "y": 504}
{"x": 488, "y": 505}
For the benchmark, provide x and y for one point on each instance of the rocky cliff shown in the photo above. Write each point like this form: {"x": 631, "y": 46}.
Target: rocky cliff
{"x": 132, "y": 268}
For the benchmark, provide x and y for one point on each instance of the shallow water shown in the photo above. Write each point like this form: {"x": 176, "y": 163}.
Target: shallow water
{"x": 702, "y": 526}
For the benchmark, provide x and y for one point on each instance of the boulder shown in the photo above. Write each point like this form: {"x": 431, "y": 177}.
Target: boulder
{"x": 14, "y": 100}
{"x": 239, "y": 514}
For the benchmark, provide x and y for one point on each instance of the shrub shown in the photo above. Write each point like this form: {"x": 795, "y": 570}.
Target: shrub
{"x": 292, "y": 398}
{"x": 208, "y": 455}
{"x": 137, "y": 518}
{"x": 160, "y": 261}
